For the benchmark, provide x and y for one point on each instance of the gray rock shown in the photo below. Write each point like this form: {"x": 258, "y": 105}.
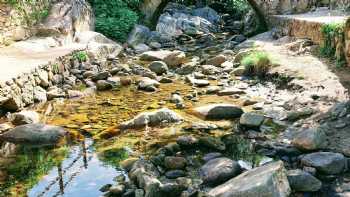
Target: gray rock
{"x": 219, "y": 170}
{"x": 217, "y": 60}
{"x": 147, "y": 84}
{"x": 230, "y": 91}
{"x": 266, "y": 181}
{"x": 117, "y": 190}
{"x": 309, "y": 139}
{"x": 34, "y": 134}
{"x": 55, "y": 92}
{"x": 155, "y": 118}
{"x": 171, "y": 58}
{"x": 325, "y": 162}
{"x": 302, "y": 181}
{"x": 208, "y": 14}
{"x": 101, "y": 76}
{"x": 102, "y": 85}
{"x": 173, "y": 174}
{"x": 24, "y": 117}
{"x": 174, "y": 163}
{"x": 197, "y": 82}
{"x": 212, "y": 143}
{"x": 158, "y": 67}
{"x": 171, "y": 190}
{"x": 219, "y": 111}
{"x": 252, "y": 120}
{"x": 40, "y": 95}
{"x": 138, "y": 35}
{"x": 140, "y": 48}
{"x": 187, "y": 141}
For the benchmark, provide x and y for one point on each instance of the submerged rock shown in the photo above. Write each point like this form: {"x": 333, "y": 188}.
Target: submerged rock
{"x": 24, "y": 117}
{"x": 264, "y": 181}
{"x": 219, "y": 111}
{"x": 219, "y": 170}
{"x": 34, "y": 134}
{"x": 155, "y": 118}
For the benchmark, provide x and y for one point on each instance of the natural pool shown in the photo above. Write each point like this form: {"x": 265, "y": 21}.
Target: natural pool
{"x": 92, "y": 161}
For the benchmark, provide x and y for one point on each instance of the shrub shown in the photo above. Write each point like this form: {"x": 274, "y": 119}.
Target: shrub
{"x": 257, "y": 64}
{"x": 116, "y": 18}
{"x": 332, "y": 34}
{"x": 81, "y": 56}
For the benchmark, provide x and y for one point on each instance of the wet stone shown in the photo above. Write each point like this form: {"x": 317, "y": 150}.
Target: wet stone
{"x": 173, "y": 174}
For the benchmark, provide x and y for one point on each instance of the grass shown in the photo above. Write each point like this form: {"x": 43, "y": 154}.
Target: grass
{"x": 257, "y": 64}
{"x": 81, "y": 56}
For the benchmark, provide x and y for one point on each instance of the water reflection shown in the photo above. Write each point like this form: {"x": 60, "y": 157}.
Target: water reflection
{"x": 80, "y": 174}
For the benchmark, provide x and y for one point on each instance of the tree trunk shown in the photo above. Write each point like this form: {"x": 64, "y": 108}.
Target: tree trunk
{"x": 259, "y": 13}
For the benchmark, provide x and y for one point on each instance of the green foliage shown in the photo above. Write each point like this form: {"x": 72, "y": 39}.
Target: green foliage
{"x": 333, "y": 33}
{"x": 114, "y": 156}
{"x": 116, "y": 18}
{"x": 257, "y": 63}
{"x": 31, "y": 11}
{"x": 81, "y": 56}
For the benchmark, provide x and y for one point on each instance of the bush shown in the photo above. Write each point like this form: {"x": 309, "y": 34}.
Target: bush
{"x": 257, "y": 64}
{"x": 116, "y": 18}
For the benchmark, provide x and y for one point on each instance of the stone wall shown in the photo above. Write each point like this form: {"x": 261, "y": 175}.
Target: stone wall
{"x": 347, "y": 41}
{"x": 17, "y": 19}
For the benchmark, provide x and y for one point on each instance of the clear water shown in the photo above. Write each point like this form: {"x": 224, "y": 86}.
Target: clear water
{"x": 80, "y": 174}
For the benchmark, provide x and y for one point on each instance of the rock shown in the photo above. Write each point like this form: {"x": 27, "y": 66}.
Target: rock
{"x": 176, "y": 98}
{"x": 173, "y": 174}
{"x": 34, "y": 134}
{"x": 175, "y": 162}
{"x": 128, "y": 163}
{"x": 230, "y": 91}
{"x": 239, "y": 71}
{"x": 40, "y": 95}
{"x": 102, "y": 85}
{"x": 158, "y": 67}
{"x": 212, "y": 143}
{"x": 75, "y": 94}
{"x": 175, "y": 59}
{"x": 210, "y": 156}
{"x": 165, "y": 80}
{"x": 187, "y": 141}
{"x": 12, "y": 103}
{"x": 302, "y": 181}
{"x": 138, "y": 35}
{"x": 309, "y": 140}
{"x": 207, "y": 13}
{"x": 171, "y": 190}
{"x": 212, "y": 90}
{"x": 24, "y": 117}
{"x": 219, "y": 111}
{"x": 117, "y": 190}
{"x": 155, "y": 118}
{"x": 238, "y": 38}
{"x": 264, "y": 181}
{"x": 325, "y": 162}
{"x": 217, "y": 60}
{"x": 219, "y": 170}
{"x": 140, "y": 48}
{"x": 251, "y": 120}
{"x": 55, "y": 92}
{"x": 101, "y": 76}
{"x": 171, "y": 58}
{"x": 147, "y": 84}
{"x": 145, "y": 174}
{"x": 210, "y": 70}
{"x": 197, "y": 82}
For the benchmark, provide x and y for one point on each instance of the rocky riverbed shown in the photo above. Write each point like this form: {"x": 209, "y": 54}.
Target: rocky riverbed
{"x": 183, "y": 117}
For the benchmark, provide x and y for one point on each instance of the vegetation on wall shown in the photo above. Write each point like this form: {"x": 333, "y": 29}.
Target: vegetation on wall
{"x": 334, "y": 35}
{"x": 30, "y": 11}
{"x": 116, "y": 18}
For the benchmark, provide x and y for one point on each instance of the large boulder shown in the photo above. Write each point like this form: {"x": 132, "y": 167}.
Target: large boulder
{"x": 219, "y": 170}
{"x": 138, "y": 35}
{"x": 265, "y": 181}
{"x": 219, "y": 111}
{"x": 302, "y": 181}
{"x": 171, "y": 58}
{"x": 34, "y": 134}
{"x": 66, "y": 18}
{"x": 325, "y": 162}
{"x": 155, "y": 118}
{"x": 309, "y": 139}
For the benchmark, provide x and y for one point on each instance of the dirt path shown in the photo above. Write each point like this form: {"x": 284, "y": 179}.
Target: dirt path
{"x": 22, "y": 57}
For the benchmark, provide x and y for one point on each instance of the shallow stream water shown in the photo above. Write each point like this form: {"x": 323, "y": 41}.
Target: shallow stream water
{"x": 83, "y": 168}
